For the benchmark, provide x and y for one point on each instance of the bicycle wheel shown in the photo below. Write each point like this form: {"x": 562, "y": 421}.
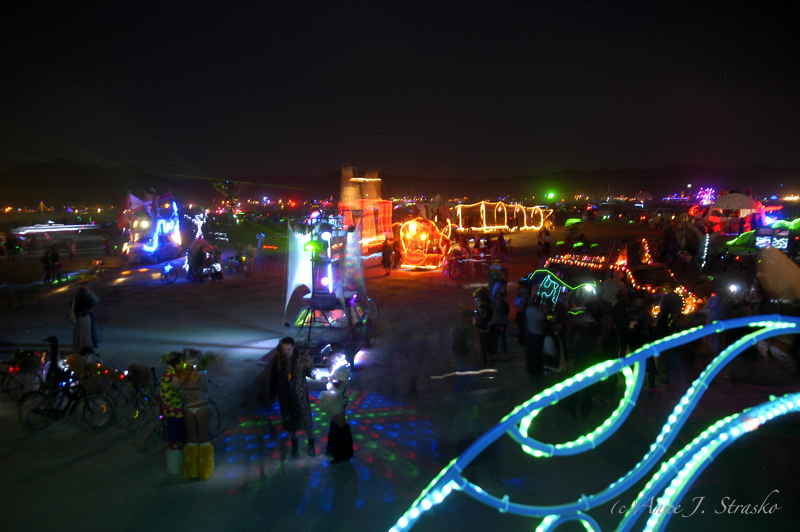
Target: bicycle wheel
{"x": 455, "y": 271}
{"x": 94, "y": 412}
{"x": 33, "y": 411}
{"x": 372, "y": 308}
{"x": 151, "y": 436}
{"x": 214, "y": 421}
{"x": 510, "y": 251}
{"x": 132, "y": 410}
{"x": 171, "y": 276}
{"x": 20, "y": 384}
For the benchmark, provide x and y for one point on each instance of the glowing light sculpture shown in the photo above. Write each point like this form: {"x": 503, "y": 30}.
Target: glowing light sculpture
{"x": 170, "y": 228}
{"x": 424, "y": 246}
{"x": 674, "y": 477}
{"x": 532, "y": 217}
{"x": 551, "y": 286}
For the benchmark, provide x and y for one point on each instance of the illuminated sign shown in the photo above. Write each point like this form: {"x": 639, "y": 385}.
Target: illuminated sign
{"x": 780, "y": 243}
{"x": 549, "y": 290}
{"x": 763, "y": 242}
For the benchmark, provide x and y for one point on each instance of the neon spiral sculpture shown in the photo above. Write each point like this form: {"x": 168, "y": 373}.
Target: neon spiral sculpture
{"x": 675, "y": 476}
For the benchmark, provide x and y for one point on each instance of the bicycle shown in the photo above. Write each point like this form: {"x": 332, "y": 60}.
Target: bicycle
{"x": 22, "y": 375}
{"x": 372, "y": 308}
{"x": 17, "y": 384}
{"x": 137, "y": 405}
{"x": 152, "y": 438}
{"x": 169, "y": 273}
{"x": 456, "y": 268}
{"x": 234, "y": 264}
{"x": 93, "y": 412}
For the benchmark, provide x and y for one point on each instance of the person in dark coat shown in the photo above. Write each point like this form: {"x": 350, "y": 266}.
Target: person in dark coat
{"x": 82, "y": 329}
{"x": 386, "y": 257}
{"x": 288, "y": 383}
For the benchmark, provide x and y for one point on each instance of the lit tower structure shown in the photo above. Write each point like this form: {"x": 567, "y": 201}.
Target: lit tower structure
{"x": 362, "y": 205}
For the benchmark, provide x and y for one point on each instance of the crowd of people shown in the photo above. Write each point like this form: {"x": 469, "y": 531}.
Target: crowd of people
{"x": 581, "y": 328}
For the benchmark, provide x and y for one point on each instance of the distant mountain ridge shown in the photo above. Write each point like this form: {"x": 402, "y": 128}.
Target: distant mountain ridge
{"x": 62, "y": 182}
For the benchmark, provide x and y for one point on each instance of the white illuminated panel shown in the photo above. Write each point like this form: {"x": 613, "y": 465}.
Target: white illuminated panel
{"x": 780, "y": 243}
{"x": 763, "y": 242}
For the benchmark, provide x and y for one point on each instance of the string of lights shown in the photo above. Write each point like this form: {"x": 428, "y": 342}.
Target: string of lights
{"x": 533, "y": 218}
{"x": 679, "y": 471}
{"x": 691, "y": 301}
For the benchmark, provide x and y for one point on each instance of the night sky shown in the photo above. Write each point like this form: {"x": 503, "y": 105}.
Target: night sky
{"x": 460, "y": 89}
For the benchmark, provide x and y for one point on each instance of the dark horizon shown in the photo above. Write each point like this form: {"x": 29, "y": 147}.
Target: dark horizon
{"x": 108, "y": 185}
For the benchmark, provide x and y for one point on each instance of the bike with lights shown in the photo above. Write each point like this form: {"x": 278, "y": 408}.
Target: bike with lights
{"x": 68, "y": 399}
{"x": 169, "y": 273}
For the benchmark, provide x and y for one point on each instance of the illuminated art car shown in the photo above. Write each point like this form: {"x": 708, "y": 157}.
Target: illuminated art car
{"x": 648, "y": 275}
{"x": 326, "y": 320}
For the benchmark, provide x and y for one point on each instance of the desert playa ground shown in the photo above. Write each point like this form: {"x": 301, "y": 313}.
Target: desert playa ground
{"x": 405, "y": 430}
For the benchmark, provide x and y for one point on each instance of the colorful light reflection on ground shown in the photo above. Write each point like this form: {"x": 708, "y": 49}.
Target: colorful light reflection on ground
{"x": 390, "y": 440}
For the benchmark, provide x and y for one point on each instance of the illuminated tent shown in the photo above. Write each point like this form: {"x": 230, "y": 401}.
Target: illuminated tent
{"x": 299, "y": 272}
{"x": 127, "y": 214}
{"x": 779, "y": 275}
{"x": 197, "y": 245}
{"x": 735, "y": 202}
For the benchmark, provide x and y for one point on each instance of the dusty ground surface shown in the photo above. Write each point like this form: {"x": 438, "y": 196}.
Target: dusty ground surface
{"x": 404, "y": 428}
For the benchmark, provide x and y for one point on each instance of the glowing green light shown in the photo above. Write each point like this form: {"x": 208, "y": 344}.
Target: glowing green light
{"x": 741, "y": 239}
{"x": 312, "y": 246}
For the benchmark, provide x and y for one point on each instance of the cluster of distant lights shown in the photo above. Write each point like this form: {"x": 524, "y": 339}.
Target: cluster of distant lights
{"x": 706, "y": 196}
{"x": 674, "y": 477}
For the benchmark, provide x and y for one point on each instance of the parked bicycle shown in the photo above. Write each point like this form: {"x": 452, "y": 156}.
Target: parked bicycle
{"x": 138, "y": 404}
{"x": 91, "y": 411}
{"x": 169, "y": 273}
{"x": 25, "y": 373}
{"x": 236, "y": 265}
{"x": 369, "y": 304}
